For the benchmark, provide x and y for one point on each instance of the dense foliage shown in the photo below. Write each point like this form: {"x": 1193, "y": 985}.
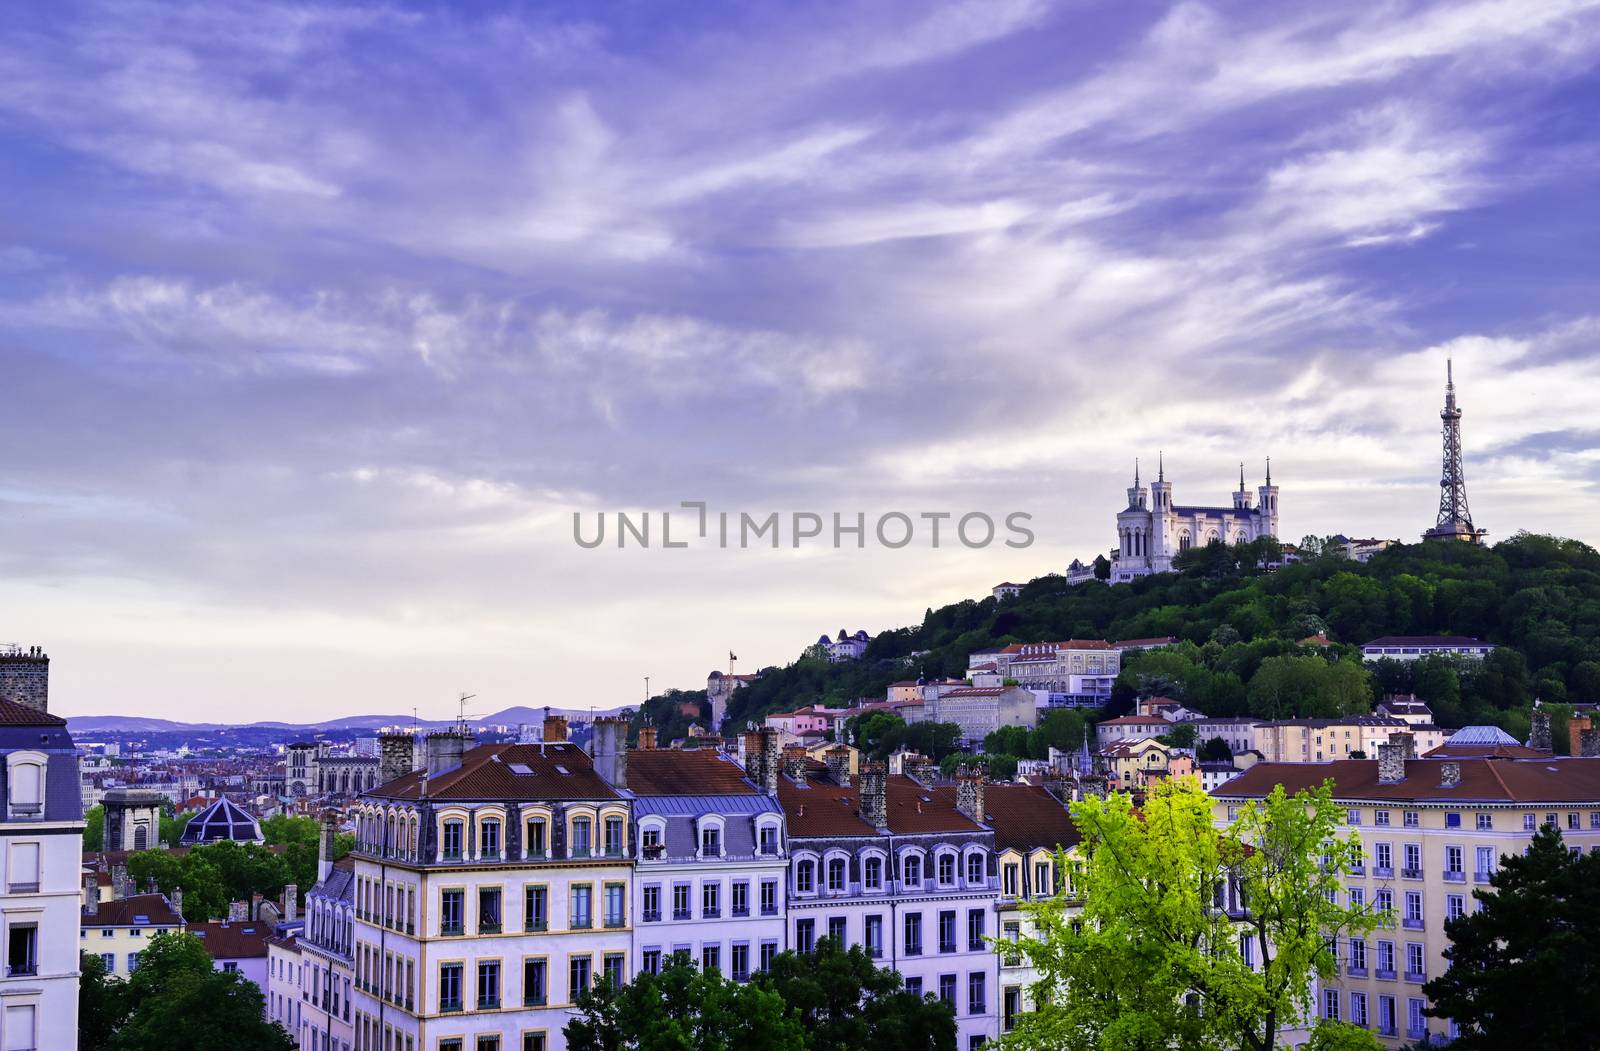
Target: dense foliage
{"x": 1136, "y": 955}
{"x": 176, "y": 998}
{"x": 1242, "y": 629}
{"x": 833, "y": 999}
{"x": 1524, "y": 965}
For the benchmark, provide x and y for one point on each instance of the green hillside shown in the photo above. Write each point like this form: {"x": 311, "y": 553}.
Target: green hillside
{"x": 1240, "y": 630}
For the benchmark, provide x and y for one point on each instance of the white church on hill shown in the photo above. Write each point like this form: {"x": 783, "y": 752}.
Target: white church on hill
{"x": 1153, "y": 529}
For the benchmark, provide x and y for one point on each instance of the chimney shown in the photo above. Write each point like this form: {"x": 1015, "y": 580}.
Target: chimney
{"x": 1391, "y": 763}
{"x": 918, "y": 767}
{"x": 647, "y": 736}
{"x": 1589, "y": 744}
{"x": 875, "y": 794}
{"x": 255, "y": 905}
{"x": 1407, "y": 740}
{"x": 291, "y": 902}
{"x": 794, "y": 762}
{"x": 330, "y": 828}
{"x": 396, "y": 756}
{"x": 91, "y": 895}
{"x": 969, "y": 792}
{"x": 237, "y": 912}
{"x": 177, "y": 900}
{"x": 445, "y": 749}
{"x": 1575, "y": 726}
{"x": 609, "y": 747}
{"x": 1539, "y": 740}
{"x": 1449, "y": 774}
{"x": 555, "y": 728}
{"x": 838, "y": 758}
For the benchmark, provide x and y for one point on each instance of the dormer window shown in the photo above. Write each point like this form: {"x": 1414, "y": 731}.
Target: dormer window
{"x": 975, "y": 873}
{"x": 947, "y": 869}
{"x": 711, "y": 841}
{"x": 872, "y": 873}
{"x": 582, "y": 831}
{"x": 836, "y": 875}
{"x": 769, "y": 839}
{"x": 913, "y": 870}
{"x": 25, "y": 780}
{"x": 805, "y": 877}
{"x": 452, "y": 841}
{"x": 489, "y": 838}
{"x": 613, "y": 837}
{"x": 538, "y": 830}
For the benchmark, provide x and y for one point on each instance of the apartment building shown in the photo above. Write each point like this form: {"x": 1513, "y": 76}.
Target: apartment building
{"x": 1431, "y": 831}
{"x": 118, "y": 930}
{"x": 325, "y": 950}
{"x": 41, "y": 848}
{"x": 1084, "y": 669}
{"x": 1321, "y": 740}
{"x": 491, "y": 887}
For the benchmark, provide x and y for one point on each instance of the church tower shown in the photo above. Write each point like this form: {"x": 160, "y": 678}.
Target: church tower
{"x": 1268, "y": 504}
{"x": 1241, "y": 498}
{"x": 1136, "y": 493}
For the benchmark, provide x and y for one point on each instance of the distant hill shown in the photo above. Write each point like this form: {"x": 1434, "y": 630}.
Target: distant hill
{"x": 135, "y": 724}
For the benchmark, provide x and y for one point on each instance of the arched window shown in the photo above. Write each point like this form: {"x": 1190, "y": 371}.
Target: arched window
{"x": 912, "y": 866}
{"x": 582, "y": 837}
{"x": 613, "y": 837}
{"x": 489, "y": 838}
{"x": 947, "y": 869}
{"x": 805, "y": 877}
{"x": 975, "y": 873}
{"x": 872, "y": 873}
{"x": 538, "y": 830}
{"x": 836, "y": 875}
{"x": 451, "y": 843}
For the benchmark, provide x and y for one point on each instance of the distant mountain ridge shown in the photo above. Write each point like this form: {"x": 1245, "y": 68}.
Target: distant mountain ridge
{"x": 126, "y": 724}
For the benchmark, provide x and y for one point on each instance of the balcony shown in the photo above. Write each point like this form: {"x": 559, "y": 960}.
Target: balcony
{"x": 680, "y": 914}
{"x": 1385, "y": 973}
{"x": 488, "y": 1003}
{"x": 1410, "y": 873}
{"x": 489, "y": 927}
{"x": 535, "y": 926}
{"x": 1416, "y": 1032}
{"x": 450, "y": 855}
{"x": 711, "y": 914}
{"x": 742, "y": 976}
{"x": 1455, "y": 876}
{"x": 1482, "y": 877}
{"x": 1382, "y": 872}
{"x": 26, "y": 969}
{"x": 947, "y": 947}
{"x": 1387, "y": 1030}
{"x": 653, "y": 851}
{"x": 581, "y": 923}
{"x": 614, "y": 922}
{"x": 1413, "y": 923}
{"x": 652, "y": 916}
{"x": 1416, "y": 976}
{"x": 1358, "y": 869}
{"x": 450, "y": 930}
{"x": 1356, "y": 972}
{"x": 533, "y": 1000}
{"x": 739, "y": 912}
{"x": 769, "y": 910}
{"x": 449, "y": 1006}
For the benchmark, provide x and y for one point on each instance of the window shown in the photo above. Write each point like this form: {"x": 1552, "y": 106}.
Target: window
{"x": 911, "y": 867}
{"x": 680, "y": 901}
{"x": 452, "y": 911}
{"x": 1453, "y": 862}
{"x": 488, "y": 985}
{"x": 947, "y": 869}
{"x": 1485, "y": 864}
{"x": 769, "y": 839}
{"x": 1385, "y": 959}
{"x": 975, "y": 929}
{"x": 1383, "y": 901}
{"x": 739, "y": 961}
{"x": 1247, "y": 947}
{"x": 711, "y": 841}
{"x": 1041, "y": 879}
{"x": 612, "y": 966}
{"x": 872, "y": 873}
{"x": 769, "y": 897}
{"x": 1527, "y": 823}
{"x": 1012, "y": 1007}
{"x": 22, "y": 877}
{"x": 27, "y": 784}
{"x": 710, "y": 900}
{"x": 739, "y": 903}
{"x": 975, "y": 873}
{"x": 1414, "y": 965}
{"x": 488, "y": 910}
{"x": 109, "y": 959}
{"x": 947, "y": 989}
{"x": 913, "y": 932}
{"x": 580, "y": 969}
{"x": 535, "y": 908}
{"x": 1414, "y": 1022}
{"x": 22, "y": 950}
{"x": 1452, "y": 820}
{"x": 133, "y": 962}
{"x": 1412, "y": 819}
{"x": 650, "y": 961}
{"x": 538, "y": 829}
{"x": 1358, "y": 897}
{"x": 489, "y": 838}
{"x": 1386, "y": 1022}
{"x": 1380, "y": 817}
{"x": 613, "y": 837}
{"x": 1413, "y": 916}
{"x": 805, "y": 877}
{"x": 977, "y": 993}
{"x": 805, "y": 935}
{"x": 451, "y": 845}
{"x": 1358, "y": 1008}
{"x": 534, "y": 978}
{"x": 1572, "y": 822}
{"x": 1485, "y": 822}
{"x": 836, "y": 930}
{"x": 1352, "y": 817}
{"x": 449, "y": 987}
{"x": 582, "y": 832}
{"x": 1358, "y": 956}
{"x": 1008, "y": 881}
{"x": 914, "y": 986}
{"x": 1455, "y": 906}
{"x": 1413, "y": 866}
{"x": 582, "y": 902}
{"x": 836, "y": 875}
{"x": 616, "y": 904}
{"x": 874, "y": 936}
{"x": 488, "y": 1042}
{"x": 947, "y": 931}
{"x": 21, "y": 1026}
{"x": 1330, "y": 1004}
{"x": 769, "y": 952}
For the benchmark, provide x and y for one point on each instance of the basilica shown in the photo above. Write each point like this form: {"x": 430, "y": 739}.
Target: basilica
{"x": 1153, "y": 529}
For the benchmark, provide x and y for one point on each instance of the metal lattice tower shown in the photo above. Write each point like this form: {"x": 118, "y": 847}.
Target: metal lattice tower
{"x": 1455, "y": 520}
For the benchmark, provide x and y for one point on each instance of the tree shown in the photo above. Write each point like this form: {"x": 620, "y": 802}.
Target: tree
{"x": 1008, "y": 740}
{"x": 1102, "y": 568}
{"x": 1341, "y": 1036}
{"x": 875, "y": 732}
{"x": 102, "y": 1007}
{"x": 844, "y": 1002}
{"x": 177, "y": 999}
{"x": 1180, "y": 736}
{"x": 94, "y": 828}
{"x": 1522, "y": 968}
{"x": 682, "y": 1007}
{"x": 1215, "y": 750}
{"x": 1151, "y": 963}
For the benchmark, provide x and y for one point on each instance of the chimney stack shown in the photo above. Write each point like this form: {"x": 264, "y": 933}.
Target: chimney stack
{"x": 647, "y": 736}
{"x": 875, "y": 794}
{"x": 918, "y": 767}
{"x": 1575, "y": 727}
{"x": 177, "y": 900}
{"x": 1391, "y": 763}
{"x": 555, "y": 729}
{"x": 396, "y": 754}
{"x": 969, "y": 792}
{"x": 445, "y": 750}
{"x": 1449, "y": 774}
{"x": 255, "y": 905}
{"x": 1589, "y": 743}
{"x": 794, "y": 762}
{"x": 609, "y": 748}
{"x": 838, "y": 759}
{"x": 237, "y": 912}
{"x": 1539, "y": 740}
{"x": 91, "y": 895}
{"x": 330, "y": 828}
{"x": 1407, "y": 740}
{"x": 291, "y": 902}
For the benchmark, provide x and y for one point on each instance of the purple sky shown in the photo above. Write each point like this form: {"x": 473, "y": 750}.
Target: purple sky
{"x": 318, "y": 322}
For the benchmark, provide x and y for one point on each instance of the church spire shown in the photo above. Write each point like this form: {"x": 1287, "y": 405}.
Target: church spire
{"x": 1136, "y": 472}
{"x": 1269, "y": 470}
{"x": 1161, "y": 466}
{"x": 1241, "y": 476}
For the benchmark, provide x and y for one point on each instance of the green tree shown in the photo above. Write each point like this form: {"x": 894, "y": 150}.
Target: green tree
{"x": 1522, "y": 968}
{"x": 177, "y": 999}
{"x": 1215, "y": 750}
{"x": 1059, "y": 728}
{"x": 1342, "y": 1036}
{"x": 1180, "y": 736}
{"x": 1150, "y": 963}
{"x": 94, "y": 829}
{"x": 1008, "y": 740}
{"x": 683, "y": 1008}
{"x": 934, "y": 740}
{"x": 844, "y": 1002}
{"x": 102, "y": 1003}
{"x": 876, "y": 732}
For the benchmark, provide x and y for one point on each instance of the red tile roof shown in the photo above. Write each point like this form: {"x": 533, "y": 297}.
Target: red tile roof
{"x": 1024, "y": 817}
{"x": 697, "y": 771}
{"x": 1544, "y": 780}
{"x": 13, "y": 713}
{"x": 825, "y": 809}
{"x": 560, "y": 770}
{"x": 233, "y": 941}
{"x": 153, "y": 910}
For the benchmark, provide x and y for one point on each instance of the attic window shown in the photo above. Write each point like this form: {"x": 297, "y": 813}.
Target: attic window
{"x": 141, "y": 919}
{"x": 520, "y": 768}
{"x": 561, "y": 769}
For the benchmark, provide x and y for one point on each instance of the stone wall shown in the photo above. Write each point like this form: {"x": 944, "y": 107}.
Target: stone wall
{"x": 25, "y": 677}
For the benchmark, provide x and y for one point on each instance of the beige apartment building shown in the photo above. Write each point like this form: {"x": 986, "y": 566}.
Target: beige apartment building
{"x": 1322, "y": 740}
{"x": 1431, "y": 831}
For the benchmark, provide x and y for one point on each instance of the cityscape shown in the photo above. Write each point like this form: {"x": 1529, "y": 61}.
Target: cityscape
{"x": 416, "y": 411}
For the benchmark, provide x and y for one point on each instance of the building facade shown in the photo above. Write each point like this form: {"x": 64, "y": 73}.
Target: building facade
{"x": 1415, "y": 647}
{"x": 41, "y": 847}
{"x": 1152, "y": 530}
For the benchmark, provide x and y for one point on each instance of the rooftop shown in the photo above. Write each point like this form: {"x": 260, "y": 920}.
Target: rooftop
{"x": 1425, "y": 641}
{"x": 137, "y": 910}
{"x": 13, "y": 713}
{"x": 233, "y": 941}
{"x": 697, "y": 771}
{"x": 822, "y": 808}
{"x": 1534, "y": 781}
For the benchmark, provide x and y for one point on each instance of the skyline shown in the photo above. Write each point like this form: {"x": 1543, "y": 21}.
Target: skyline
{"x": 320, "y": 321}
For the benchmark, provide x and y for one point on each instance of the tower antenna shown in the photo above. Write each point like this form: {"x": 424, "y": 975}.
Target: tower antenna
{"x": 1455, "y": 518}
